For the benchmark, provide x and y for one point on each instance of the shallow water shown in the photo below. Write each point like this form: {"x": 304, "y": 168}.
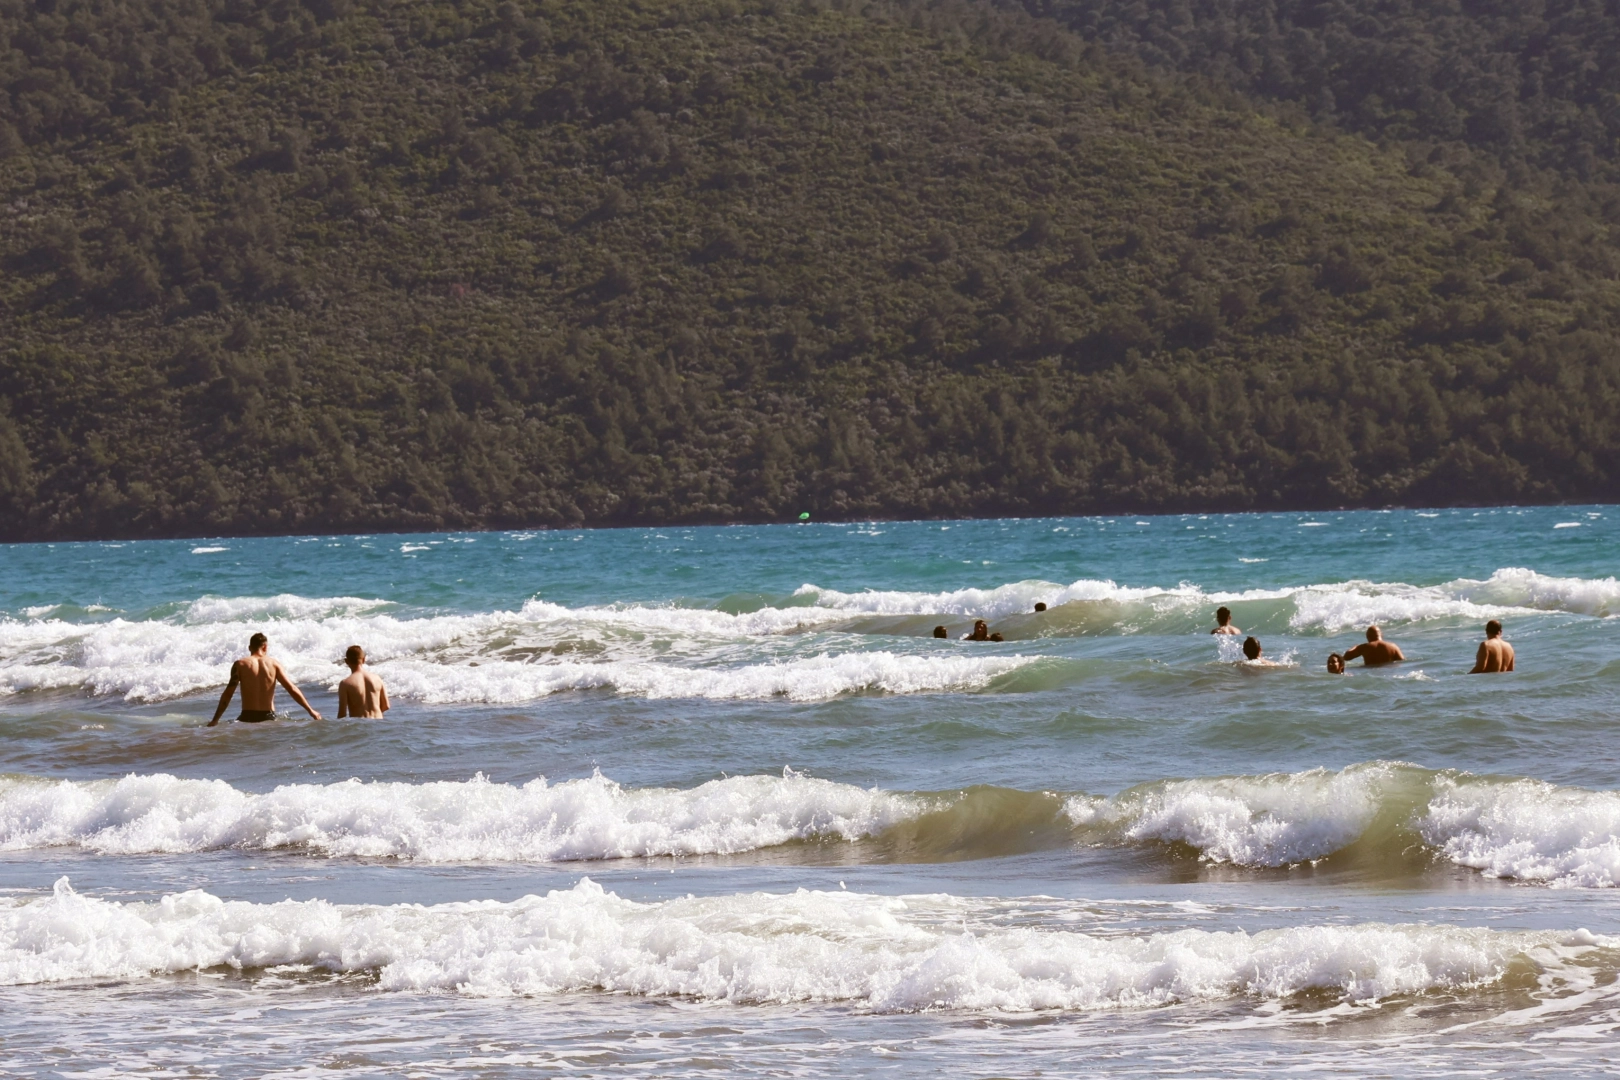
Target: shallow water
{"x": 690, "y": 801}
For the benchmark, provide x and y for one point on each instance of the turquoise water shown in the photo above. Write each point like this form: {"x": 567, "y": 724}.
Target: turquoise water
{"x": 699, "y": 800}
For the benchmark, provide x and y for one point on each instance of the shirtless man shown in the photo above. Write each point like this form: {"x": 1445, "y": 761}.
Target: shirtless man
{"x": 1223, "y": 622}
{"x": 1494, "y": 653}
{"x": 1376, "y": 652}
{"x": 257, "y": 674}
{"x": 362, "y": 694}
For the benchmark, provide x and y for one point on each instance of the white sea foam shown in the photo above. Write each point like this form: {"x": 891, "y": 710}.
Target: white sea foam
{"x": 1522, "y": 829}
{"x": 497, "y": 657}
{"x": 441, "y": 822}
{"x": 1527, "y": 829}
{"x": 1269, "y": 820}
{"x": 815, "y": 678}
{"x": 872, "y": 952}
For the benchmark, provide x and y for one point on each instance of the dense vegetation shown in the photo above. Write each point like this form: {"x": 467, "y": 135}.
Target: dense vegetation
{"x": 272, "y": 266}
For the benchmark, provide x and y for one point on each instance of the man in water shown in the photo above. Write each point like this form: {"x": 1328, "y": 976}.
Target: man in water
{"x": 362, "y": 694}
{"x": 1223, "y": 622}
{"x": 1252, "y": 650}
{"x": 257, "y": 674}
{"x": 1494, "y": 653}
{"x": 981, "y": 631}
{"x": 939, "y": 631}
{"x": 1376, "y": 652}
{"x": 1039, "y": 608}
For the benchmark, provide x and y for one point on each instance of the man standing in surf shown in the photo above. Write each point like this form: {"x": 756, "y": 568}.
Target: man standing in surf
{"x": 257, "y": 675}
{"x": 362, "y": 695}
{"x": 1494, "y": 654}
{"x": 1376, "y": 652}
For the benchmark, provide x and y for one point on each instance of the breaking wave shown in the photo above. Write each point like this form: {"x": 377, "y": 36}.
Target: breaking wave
{"x": 888, "y": 954}
{"x": 1399, "y": 817}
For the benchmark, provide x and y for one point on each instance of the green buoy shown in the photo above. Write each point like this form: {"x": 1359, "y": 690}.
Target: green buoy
{"x": 804, "y": 516}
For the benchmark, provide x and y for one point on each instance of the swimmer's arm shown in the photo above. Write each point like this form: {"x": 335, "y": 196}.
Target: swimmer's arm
{"x": 1396, "y": 649}
{"x": 343, "y": 700}
{"x": 297, "y": 695}
{"x": 382, "y": 696}
{"x": 1479, "y": 660}
{"x": 225, "y": 698}
{"x": 1351, "y": 654}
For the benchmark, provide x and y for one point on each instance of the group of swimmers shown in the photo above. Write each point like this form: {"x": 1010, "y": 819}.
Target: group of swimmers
{"x": 362, "y": 695}
{"x": 1493, "y": 655}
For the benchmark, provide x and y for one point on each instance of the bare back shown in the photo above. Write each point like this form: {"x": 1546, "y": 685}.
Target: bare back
{"x": 257, "y": 677}
{"x": 1494, "y": 655}
{"x": 362, "y": 695}
{"x": 1376, "y": 653}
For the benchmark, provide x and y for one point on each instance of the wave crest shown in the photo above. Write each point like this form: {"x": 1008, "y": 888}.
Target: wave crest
{"x": 887, "y": 954}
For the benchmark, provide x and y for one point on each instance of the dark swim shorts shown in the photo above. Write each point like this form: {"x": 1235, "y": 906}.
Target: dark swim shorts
{"x": 254, "y": 716}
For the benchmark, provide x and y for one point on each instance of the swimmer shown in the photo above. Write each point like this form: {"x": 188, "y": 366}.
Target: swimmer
{"x": 1494, "y": 653}
{"x": 362, "y": 694}
{"x": 1376, "y": 652}
{"x": 940, "y": 631}
{"x": 1039, "y": 608}
{"x": 1251, "y": 652}
{"x": 1335, "y": 664}
{"x": 1223, "y": 622}
{"x": 258, "y": 675}
{"x": 997, "y": 637}
{"x": 981, "y": 631}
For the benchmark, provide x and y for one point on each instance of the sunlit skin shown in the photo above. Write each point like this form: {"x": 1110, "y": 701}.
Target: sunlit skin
{"x": 1223, "y": 622}
{"x": 1494, "y": 654}
{"x": 362, "y": 694}
{"x": 1376, "y": 652}
{"x": 257, "y": 674}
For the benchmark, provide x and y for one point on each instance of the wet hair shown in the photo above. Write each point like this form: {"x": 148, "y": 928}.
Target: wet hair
{"x": 1373, "y": 633}
{"x": 997, "y": 637}
{"x": 1493, "y": 628}
{"x": 939, "y": 631}
{"x": 354, "y": 656}
{"x": 1335, "y": 663}
{"x": 1040, "y": 607}
{"x": 1251, "y": 648}
{"x": 255, "y": 641}
{"x": 1223, "y": 615}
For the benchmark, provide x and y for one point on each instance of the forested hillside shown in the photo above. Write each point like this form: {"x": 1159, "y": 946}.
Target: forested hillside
{"x": 387, "y": 265}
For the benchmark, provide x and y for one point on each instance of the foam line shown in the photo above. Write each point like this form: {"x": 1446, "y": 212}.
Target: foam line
{"x": 888, "y": 954}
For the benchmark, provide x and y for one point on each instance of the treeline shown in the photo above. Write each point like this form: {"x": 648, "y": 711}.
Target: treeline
{"x": 277, "y": 266}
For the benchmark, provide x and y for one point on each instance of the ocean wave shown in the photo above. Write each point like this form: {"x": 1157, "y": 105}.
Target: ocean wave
{"x": 470, "y": 821}
{"x": 1395, "y": 817}
{"x": 1521, "y": 829}
{"x": 886, "y": 954}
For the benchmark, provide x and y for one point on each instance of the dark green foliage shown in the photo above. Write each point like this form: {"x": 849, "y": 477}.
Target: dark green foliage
{"x": 272, "y": 266}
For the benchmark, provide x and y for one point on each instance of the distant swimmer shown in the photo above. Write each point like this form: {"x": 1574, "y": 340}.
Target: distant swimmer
{"x": 1494, "y": 653}
{"x": 940, "y": 631}
{"x": 1039, "y": 608}
{"x": 1376, "y": 652}
{"x": 1223, "y": 622}
{"x": 997, "y": 637}
{"x": 981, "y": 631}
{"x": 362, "y": 694}
{"x": 257, "y": 675}
{"x": 1335, "y": 664}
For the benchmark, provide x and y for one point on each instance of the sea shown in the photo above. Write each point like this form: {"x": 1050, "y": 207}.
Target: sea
{"x": 680, "y": 802}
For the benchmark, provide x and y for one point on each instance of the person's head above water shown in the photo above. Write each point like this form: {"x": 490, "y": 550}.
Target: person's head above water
{"x": 939, "y": 631}
{"x": 257, "y": 642}
{"x": 354, "y": 656}
{"x": 1493, "y": 629}
{"x": 1373, "y": 633}
{"x": 1251, "y": 648}
{"x": 1223, "y": 615}
{"x": 1040, "y": 607}
{"x": 1335, "y": 664}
